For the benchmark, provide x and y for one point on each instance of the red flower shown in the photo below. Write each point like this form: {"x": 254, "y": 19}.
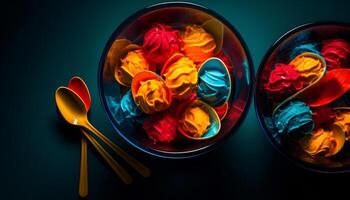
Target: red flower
{"x": 336, "y": 53}
{"x": 284, "y": 80}
{"x": 322, "y": 115}
{"x": 161, "y": 42}
{"x": 161, "y": 127}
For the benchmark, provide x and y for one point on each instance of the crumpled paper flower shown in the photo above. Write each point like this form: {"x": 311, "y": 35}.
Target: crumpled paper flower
{"x": 284, "y": 81}
{"x": 161, "y": 127}
{"x": 310, "y": 47}
{"x": 325, "y": 142}
{"x": 181, "y": 78}
{"x": 296, "y": 115}
{"x": 160, "y": 43}
{"x": 310, "y": 66}
{"x": 131, "y": 64}
{"x": 214, "y": 82}
{"x": 343, "y": 121}
{"x": 199, "y": 45}
{"x": 336, "y": 52}
{"x": 323, "y": 116}
{"x": 195, "y": 121}
{"x": 124, "y": 110}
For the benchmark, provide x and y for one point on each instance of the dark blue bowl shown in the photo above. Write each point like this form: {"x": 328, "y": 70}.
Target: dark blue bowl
{"x": 308, "y": 33}
{"x": 180, "y": 14}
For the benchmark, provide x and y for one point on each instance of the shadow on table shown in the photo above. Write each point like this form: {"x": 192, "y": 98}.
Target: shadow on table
{"x": 209, "y": 177}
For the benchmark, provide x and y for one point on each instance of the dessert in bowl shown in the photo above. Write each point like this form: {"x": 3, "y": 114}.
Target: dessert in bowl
{"x": 302, "y": 98}
{"x": 175, "y": 79}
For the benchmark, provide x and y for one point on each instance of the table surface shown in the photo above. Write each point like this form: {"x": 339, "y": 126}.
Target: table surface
{"x": 46, "y": 43}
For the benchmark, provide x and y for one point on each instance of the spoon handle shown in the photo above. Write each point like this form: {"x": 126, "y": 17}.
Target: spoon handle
{"x": 119, "y": 170}
{"x": 83, "y": 181}
{"x": 139, "y": 167}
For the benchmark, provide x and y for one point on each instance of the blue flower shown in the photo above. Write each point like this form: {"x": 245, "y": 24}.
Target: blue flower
{"x": 294, "y": 117}
{"x": 125, "y": 109}
{"x": 214, "y": 83}
{"x": 302, "y": 49}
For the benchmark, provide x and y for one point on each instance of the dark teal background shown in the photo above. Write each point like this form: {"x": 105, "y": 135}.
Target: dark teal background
{"x": 43, "y": 44}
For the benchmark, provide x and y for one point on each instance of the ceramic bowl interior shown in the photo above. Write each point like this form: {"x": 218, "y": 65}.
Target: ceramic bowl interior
{"x": 279, "y": 52}
{"x": 178, "y": 15}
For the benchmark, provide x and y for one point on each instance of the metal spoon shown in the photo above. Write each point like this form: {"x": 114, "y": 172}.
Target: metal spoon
{"x": 78, "y": 86}
{"x": 119, "y": 170}
{"x": 74, "y": 111}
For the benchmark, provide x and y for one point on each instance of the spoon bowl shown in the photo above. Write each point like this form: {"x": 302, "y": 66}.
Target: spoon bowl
{"x": 79, "y": 86}
{"x": 71, "y": 106}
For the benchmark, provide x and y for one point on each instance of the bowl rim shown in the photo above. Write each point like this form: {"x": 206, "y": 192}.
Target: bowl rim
{"x": 195, "y": 152}
{"x": 272, "y": 141}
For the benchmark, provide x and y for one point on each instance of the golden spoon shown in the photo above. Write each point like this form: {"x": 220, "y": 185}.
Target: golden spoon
{"x": 74, "y": 111}
{"x": 71, "y": 107}
{"x": 78, "y": 85}
{"x": 83, "y": 180}
{"x": 119, "y": 170}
